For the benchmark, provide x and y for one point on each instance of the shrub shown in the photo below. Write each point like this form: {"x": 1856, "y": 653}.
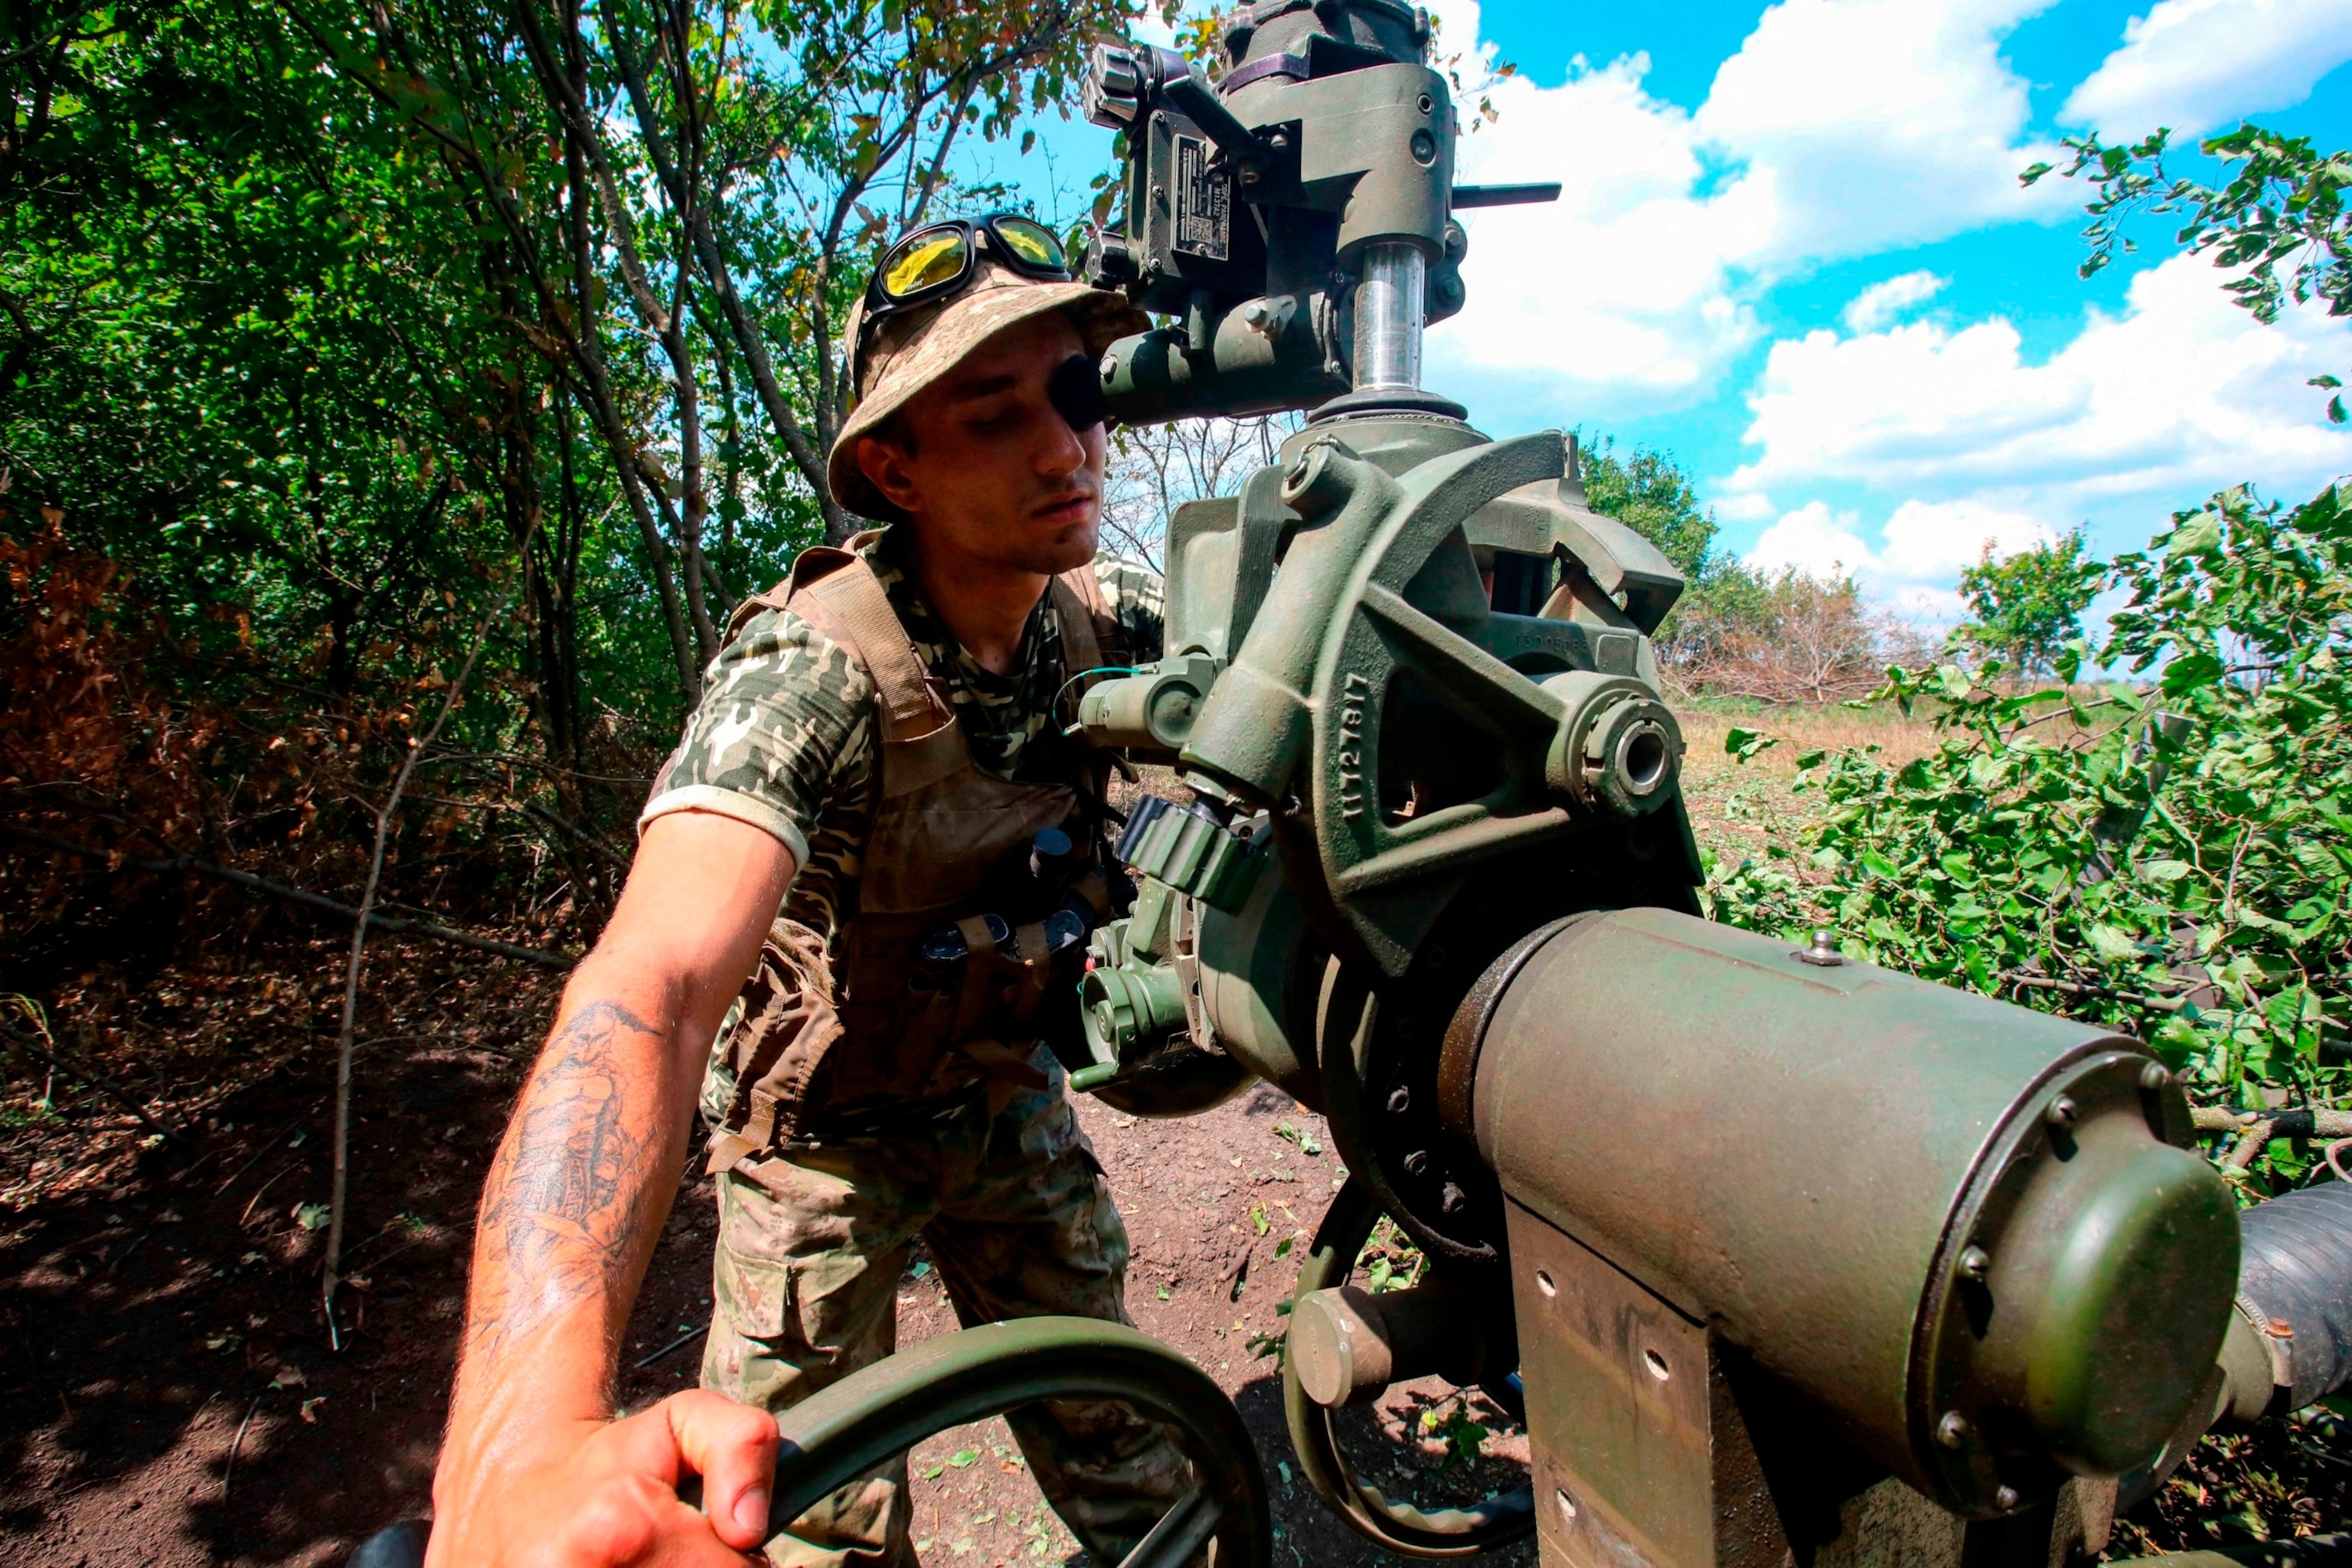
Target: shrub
{"x": 2170, "y": 855}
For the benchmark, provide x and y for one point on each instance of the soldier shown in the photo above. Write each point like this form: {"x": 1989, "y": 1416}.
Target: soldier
{"x": 877, "y": 768}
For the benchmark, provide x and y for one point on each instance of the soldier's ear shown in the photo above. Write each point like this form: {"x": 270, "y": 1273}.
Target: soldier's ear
{"x": 887, "y": 465}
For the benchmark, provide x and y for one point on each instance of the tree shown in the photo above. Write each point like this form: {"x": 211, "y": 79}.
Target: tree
{"x": 1784, "y": 637}
{"x": 2028, "y": 605}
{"x": 1649, "y": 493}
{"x": 316, "y": 320}
{"x": 2283, "y": 204}
{"x": 2165, "y": 854}
{"x": 1155, "y": 469}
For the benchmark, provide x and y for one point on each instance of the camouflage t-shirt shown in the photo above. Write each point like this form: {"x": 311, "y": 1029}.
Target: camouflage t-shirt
{"x": 785, "y": 738}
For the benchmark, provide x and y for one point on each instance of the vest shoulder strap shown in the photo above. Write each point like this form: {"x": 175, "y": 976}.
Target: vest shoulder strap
{"x": 1086, "y": 619}
{"x": 836, "y": 591}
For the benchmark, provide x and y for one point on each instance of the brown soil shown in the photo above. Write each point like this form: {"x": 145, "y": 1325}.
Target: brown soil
{"x": 169, "y": 1394}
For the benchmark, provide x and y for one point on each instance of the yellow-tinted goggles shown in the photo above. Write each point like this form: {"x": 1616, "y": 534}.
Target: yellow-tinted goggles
{"x": 934, "y": 260}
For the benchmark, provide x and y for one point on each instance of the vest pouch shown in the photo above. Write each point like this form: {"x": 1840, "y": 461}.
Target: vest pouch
{"x": 788, "y": 1033}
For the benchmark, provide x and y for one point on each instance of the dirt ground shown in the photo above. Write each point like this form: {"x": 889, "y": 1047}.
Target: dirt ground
{"x": 169, "y": 1394}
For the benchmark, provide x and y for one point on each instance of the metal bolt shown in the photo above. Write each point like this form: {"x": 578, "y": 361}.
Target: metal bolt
{"x": 1975, "y": 1263}
{"x": 2004, "y": 1497}
{"x": 1400, "y": 1101}
{"x": 1952, "y": 1430}
{"x": 1417, "y": 1161}
{"x": 1452, "y": 1199}
{"x": 1823, "y": 954}
{"x": 2062, "y": 1113}
{"x": 2155, "y": 1076}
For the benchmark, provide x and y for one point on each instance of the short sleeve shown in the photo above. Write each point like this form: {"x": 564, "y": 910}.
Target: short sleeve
{"x": 786, "y": 721}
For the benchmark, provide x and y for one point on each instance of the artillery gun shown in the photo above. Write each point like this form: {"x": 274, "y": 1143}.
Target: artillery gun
{"x": 1783, "y": 1257}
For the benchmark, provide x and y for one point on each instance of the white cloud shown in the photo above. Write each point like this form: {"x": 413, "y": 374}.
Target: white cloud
{"x": 1876, "y": 123}
{"x": 1881, "y": 303}
{"x": 1842, "y": 128}
{"x": 1922, "y": 541}
{"x": 2196, "y": 65}
{"x": 2181, "y": 393}
{"x": 1626, "y": 284}
{"x": 1815, "y": 540}
{"x": 1742, "y": 506}
{"x": 1918, "y": 555}
{"x": 1933, "y": 539}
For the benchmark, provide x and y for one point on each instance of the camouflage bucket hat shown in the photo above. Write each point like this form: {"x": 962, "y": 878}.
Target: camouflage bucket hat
{"x": 909, "y": 352}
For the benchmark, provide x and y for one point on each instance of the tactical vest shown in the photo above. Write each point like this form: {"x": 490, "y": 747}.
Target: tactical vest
{"x": 882, "y": 1037}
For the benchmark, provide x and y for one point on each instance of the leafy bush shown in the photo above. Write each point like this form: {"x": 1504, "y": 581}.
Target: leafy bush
{"x": 2174, "y": 859}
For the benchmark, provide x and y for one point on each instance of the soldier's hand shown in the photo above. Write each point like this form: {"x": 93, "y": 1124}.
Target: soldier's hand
{"x": 609, "y": 1499}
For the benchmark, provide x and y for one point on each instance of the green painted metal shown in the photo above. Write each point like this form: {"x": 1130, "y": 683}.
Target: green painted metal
{"x": 1949, "y": 1224}
{"x": 1400, "y": 1527}
{"x": 1410, "y": 681}
{"x": 1248, "y": 211}
{"x": 841, "y": 1432}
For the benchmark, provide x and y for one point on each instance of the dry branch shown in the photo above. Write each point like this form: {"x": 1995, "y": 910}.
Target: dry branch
{"x": 24, "y": 1041}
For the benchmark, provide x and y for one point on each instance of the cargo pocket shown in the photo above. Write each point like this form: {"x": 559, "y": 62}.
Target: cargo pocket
{"x": 754, "y": 1355}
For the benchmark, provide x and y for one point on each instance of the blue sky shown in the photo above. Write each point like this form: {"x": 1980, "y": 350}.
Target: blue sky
{"x": 1793, "y": 252}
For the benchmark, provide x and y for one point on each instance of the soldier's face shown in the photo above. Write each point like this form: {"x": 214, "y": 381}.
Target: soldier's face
{"x": 988, "y": 469}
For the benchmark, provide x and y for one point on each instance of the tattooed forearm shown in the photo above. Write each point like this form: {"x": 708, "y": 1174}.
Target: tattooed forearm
{"x": 562, "y": 1211}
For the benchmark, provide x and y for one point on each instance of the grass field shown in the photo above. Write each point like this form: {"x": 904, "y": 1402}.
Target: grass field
{"x": 1733, "y": 804}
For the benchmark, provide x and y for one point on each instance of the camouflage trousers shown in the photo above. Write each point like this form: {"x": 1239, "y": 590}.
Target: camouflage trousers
{"x": 812, "y": 1247}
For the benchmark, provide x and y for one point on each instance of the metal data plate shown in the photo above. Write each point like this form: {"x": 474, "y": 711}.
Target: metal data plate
{"x": 1204, "y": 203}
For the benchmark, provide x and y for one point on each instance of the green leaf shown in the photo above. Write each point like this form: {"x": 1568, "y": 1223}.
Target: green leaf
{"x": 2198, "y": 535}
{"x": 1746, "y": 745}
{"x": 2191, "y": 672}
{"x": 2161, "y": 871}
{"x": 2111, "y": 944}
{"x": 962, "y": 1457}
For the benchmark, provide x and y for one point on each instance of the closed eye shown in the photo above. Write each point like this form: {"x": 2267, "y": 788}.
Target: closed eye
{"x": 1001, "y": 420}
